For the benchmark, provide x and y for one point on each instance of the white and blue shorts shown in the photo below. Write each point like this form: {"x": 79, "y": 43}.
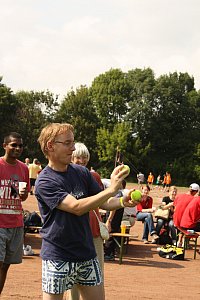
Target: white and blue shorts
{"x": 59, "y": 276}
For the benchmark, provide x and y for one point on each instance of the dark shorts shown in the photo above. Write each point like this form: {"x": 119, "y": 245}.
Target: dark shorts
{"x": 32, "y": 181}
{"x": 11, "y": 245}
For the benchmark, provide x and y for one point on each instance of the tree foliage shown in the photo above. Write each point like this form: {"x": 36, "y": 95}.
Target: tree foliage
{"x": 78, "y": 109}
{"x": 109, "y": 141}
{"x": 109, "y": 93}
{"x": 154, "y": 122}
{"x": 35, "y": 109}
{"x": 8, "y": 110}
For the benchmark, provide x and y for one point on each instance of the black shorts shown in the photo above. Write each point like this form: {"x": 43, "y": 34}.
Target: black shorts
{"x": 32, "y": 181}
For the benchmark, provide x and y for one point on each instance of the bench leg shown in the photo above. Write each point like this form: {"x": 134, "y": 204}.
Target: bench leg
{"x": 121, "y": 250}
{"x": 186, "y": 244}
{"x": 195, "y": 248}
{"x": 184, "y": 247}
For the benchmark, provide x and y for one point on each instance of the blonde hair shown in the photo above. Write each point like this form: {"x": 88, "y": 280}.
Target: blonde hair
{"x": 173, "y": 188}
{"x": 81, "y": 150}
{"x": 50, "y": 132}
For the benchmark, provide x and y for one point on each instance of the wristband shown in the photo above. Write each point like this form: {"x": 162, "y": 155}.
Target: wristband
{"x": 121, "y": 202}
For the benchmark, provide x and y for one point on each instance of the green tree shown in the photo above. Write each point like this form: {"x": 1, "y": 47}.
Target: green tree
{"x": 172, "y": 122}
{"x": 197, "y": 162}
{"x": 141, "y": 84}
{"x": 141, "y": 102}
{"x": 8, "y": 111}
{"x": 110, "y": 93}
{"x": 78, "y": 110}
{"x": 163, "y": 113}
{"x": 109, "y": 141}
{"x": 35, "y": 110}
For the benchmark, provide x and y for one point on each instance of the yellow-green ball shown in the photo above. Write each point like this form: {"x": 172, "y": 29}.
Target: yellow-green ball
{"x": 126, "y": 167}
{"x": 136, "y": 195}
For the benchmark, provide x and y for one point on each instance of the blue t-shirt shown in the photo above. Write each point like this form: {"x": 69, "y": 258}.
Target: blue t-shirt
{"x": 66, "y": 236}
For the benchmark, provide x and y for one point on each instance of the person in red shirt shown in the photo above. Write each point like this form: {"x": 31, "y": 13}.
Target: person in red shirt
{"x": 144, "y": 213}
{"x": 180, "y": 203}
{"x": 191, "y": 215}
{"x": 12, "y": 171}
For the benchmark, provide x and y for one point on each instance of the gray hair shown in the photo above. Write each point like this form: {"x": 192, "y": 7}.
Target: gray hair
{"x": 81, "y": 150}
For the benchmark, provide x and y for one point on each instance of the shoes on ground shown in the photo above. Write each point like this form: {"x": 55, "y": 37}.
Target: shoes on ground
{"x": 145, "y": 241}
{"x": 180, "y": 245}
{"x": 31, "y": 193}
{"x": 155, "y": 236}
{"x": 28, "y": 250}
{"x": 109, "y": 257}
{"x": 154, "y": 241}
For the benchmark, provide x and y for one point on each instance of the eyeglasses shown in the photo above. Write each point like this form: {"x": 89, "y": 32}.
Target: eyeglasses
{"x": 15, "y": 145}
{"x": 67, "y": 144}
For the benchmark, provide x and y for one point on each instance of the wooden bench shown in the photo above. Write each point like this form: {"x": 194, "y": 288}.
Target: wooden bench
{"x": 188, "y": 238}
{"x": 31, "y": 229}
{"x": 124, "y": 238}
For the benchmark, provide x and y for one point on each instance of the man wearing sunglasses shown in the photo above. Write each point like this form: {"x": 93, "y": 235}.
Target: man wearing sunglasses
{"x": 12, "y": 171}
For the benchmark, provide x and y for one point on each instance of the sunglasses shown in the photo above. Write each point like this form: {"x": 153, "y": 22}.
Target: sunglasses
{"x": 15, "y": 145}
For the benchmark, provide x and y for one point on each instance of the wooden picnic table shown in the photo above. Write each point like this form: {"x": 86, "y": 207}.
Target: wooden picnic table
{"x": 121, "y": 245}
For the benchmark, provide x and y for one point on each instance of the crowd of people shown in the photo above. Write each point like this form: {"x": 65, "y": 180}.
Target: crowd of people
{"x": 161, "y": 182}
{"x": 70, "y": 198}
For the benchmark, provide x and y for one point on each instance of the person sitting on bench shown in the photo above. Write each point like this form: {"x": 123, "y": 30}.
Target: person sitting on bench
{"x": 144, "y": 214}
{"x": 191, "y": 216}
{"x": 180, "y": 203}
{"x": 168, "y": 203}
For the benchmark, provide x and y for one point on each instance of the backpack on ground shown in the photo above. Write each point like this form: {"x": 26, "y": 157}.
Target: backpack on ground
{"x": 164, "y": 237}
{"x": 171, "y": 252}
{"x": 31, "y": 219}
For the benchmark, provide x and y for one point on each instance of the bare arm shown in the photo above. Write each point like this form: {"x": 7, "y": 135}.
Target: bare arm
{"x": 149, "y": 210}
{"x": 167, "y": 206}
{"x": 114, "y": 202}
{"x": 109, "y": 220}
{"x": 80, "y": 207}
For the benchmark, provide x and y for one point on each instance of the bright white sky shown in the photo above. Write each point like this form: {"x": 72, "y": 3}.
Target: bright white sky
{"x": 60, "y": 44}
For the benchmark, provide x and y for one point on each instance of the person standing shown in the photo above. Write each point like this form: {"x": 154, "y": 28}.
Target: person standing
{"x": 34, "y": 170}
{"x": 158, "y": 181}
{"x": 140, "y": 178}
{"x": 113, "y": 223}
{"x": 168, "y": 182}
{"x": 150, "y": 180}
{"x": 27, "y": 161}
{"x": 12, "y": 171}
{"x": 66, "y": 192}
{"x": 81, "y": 156}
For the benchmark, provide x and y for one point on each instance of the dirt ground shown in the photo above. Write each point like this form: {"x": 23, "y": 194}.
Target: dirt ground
{"x": 143, "y": 274}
